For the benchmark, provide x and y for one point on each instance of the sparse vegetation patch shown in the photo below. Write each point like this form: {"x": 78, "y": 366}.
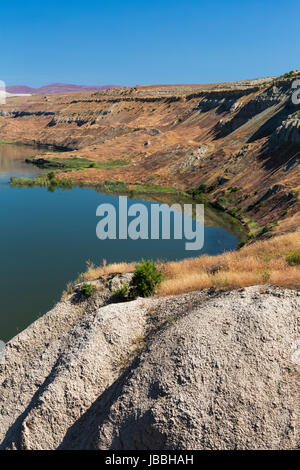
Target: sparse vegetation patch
{"x": 293, "y": 258}
{"x": 146, "y": 278}
{"x": 87, "y": 289}
{"x": 74, "y": 163}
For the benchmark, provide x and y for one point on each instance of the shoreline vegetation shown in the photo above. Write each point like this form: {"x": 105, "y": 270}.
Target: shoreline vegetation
{"x": 68, "y": 165}
{"x": 200, "y": 194}
{"x": 274, "y": 261}
{"x": 8, "y": 142}
{"x": 249, "y": 229}
{"x": 264, "y": 259}
{"x": 56, "y": 148}
{"x": 49, "y": 180}
{"x": 74, "y": 163}
{"x": 138, "y": 190}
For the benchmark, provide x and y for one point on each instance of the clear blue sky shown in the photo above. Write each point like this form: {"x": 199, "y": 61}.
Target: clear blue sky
{"x": 146, "y": 42}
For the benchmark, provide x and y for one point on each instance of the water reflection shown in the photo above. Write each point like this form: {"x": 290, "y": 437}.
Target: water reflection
{"x": 12, "y": 161}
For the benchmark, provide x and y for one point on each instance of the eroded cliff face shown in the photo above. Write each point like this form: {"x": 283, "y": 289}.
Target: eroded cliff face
{"x": 249, "y": 130}
{"x": 204, "y": 370}
{"x": 288, "y": 132}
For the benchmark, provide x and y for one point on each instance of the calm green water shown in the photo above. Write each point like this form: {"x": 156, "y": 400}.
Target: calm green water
{"x": 47, "y": 237}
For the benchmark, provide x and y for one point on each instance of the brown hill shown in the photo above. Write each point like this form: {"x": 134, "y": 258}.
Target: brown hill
{"x": 55, "y": 88}
{"x": 240, "y": 139}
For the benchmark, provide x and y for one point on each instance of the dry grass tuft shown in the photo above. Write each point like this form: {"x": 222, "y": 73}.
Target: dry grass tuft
{"x": 94, "y": 272}
{"x": 261, "y": 262}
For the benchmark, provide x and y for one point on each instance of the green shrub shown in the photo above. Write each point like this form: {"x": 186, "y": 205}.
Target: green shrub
{"x": 199, "y": 193}
{"x": 202, "y": 188}
{"x": 234, "y": 189}
{"x": 293, "y": 258}
{"x": 233, "y": 211}
{"x": 87, "y": 289}
{"x": 51, "y": 175}
{"x": 145, "y": 279}
{"x": 211, "y": 187}
{"x": 250, "y": 207}
{"x": 122, "y": 294}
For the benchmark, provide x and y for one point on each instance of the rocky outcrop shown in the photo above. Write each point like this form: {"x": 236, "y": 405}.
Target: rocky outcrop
{"x": 288, "y": 132}
{"x": 192, "y": 160}
{"x": 18, "y": 114}
{"x": 273, "y": 99}
{"x": 271, "y": 191}
{"x": 205, "y": 370}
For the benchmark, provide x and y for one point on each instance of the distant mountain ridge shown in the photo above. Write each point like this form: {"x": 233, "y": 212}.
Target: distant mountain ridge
{"x": 56, "y": 88}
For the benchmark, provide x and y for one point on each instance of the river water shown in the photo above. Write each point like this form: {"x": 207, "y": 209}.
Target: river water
{"x": 47, "y": 237}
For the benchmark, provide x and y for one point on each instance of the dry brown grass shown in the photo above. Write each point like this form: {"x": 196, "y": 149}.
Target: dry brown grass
{"x": 94, "y": 272}
{"x": 261, "y": 262}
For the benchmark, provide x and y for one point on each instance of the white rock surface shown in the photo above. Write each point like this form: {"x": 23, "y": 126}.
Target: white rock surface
{"x": 217, "y": 372}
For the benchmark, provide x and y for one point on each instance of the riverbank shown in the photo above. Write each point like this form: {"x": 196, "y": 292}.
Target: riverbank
{"x": 246, "y": 228}
{"x": 62, "y": 217}
{"x": 50, "y": 180}
{"x": 261, "y": 262}
{"x": 232, "y": 135}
